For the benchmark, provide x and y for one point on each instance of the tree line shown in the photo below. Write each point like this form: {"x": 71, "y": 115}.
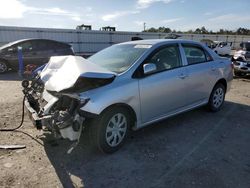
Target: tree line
{"x": 202, "y": 30}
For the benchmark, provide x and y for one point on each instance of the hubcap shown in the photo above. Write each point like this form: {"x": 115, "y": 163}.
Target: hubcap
{"x": 3, "y": 67}
{"x": 116, "y": 129}
{"x": 218, "y": 97}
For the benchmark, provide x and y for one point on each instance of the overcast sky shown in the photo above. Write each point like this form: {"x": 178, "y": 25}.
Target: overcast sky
{"x": 126, "y": 15}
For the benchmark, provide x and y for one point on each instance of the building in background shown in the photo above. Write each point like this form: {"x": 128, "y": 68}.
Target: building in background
{"x": 87, "y": 41}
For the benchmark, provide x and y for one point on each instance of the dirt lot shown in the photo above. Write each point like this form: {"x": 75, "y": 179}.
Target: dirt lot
{"x": 195, "y": 149}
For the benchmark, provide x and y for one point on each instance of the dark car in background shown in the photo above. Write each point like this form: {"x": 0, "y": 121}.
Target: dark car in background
{"x": 34, "y": 51}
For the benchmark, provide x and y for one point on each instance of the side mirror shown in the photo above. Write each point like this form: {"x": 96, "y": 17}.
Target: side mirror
{"x": 149, "y": 68}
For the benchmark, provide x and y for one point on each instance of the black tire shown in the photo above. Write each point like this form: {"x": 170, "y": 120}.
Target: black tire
{"x": 3, "y": 67}
{"x": 99, "y": 130}
{"x": 217, "y": 97}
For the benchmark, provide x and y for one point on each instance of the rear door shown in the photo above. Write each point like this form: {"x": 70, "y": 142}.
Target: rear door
{"x": 201, "y": 73}
{"x": 164, "y": 91}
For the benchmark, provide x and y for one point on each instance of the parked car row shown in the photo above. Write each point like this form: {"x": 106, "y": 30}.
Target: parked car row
{"x": 220, "y": 47}
{"x": 34, "y": 51}
{"x": 240, "y": 59}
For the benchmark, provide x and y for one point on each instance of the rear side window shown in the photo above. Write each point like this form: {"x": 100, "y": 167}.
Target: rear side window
{"x": 195, "y": 54}
{"x": 58, "y": 45}
{"x": 42, "y": 45}
{"x": 50, "y": 45}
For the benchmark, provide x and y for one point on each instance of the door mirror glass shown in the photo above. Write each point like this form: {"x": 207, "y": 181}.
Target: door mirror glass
{"x": 149, "y": 68}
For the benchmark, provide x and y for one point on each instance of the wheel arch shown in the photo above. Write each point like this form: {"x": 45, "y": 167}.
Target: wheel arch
{"x": 223, "y": 82}
{"x": 6, "y": 62}
{"x": 131, "y": 111}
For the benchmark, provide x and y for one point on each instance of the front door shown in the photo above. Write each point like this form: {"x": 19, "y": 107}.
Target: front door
{"x": 163, "y": 91}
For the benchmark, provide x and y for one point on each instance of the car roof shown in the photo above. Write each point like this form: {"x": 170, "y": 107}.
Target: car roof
{"x": 29, "y": 39}
{"x": 161, "y": 41}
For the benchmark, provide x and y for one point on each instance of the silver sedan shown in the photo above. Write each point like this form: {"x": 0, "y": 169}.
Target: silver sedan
{"x": 128, "y": 86}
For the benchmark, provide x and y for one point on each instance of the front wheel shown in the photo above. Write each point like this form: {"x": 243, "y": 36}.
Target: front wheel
{"x": 3, "y": 67}
{"x": 110, "y": 130}
{"x": 217, "y": 98}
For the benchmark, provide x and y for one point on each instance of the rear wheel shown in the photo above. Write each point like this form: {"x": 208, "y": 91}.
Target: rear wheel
{"x": 3, "y": 67}
{"x": 217, "y": 98}
{"x": 110, "y": 130}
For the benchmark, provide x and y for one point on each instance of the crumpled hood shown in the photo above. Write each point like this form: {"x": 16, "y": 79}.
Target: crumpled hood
{"x": 61, "y": 72}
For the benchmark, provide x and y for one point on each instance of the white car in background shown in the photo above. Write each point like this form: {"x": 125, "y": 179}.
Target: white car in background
{"x": 222, "y": 48}
{"x": 241, "y": 59}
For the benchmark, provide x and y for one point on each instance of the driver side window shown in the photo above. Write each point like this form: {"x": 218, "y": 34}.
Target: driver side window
{"x": 166, "y": 58}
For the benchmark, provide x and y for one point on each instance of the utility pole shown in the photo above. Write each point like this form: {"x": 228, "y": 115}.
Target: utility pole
{"x": 144, "y": 26}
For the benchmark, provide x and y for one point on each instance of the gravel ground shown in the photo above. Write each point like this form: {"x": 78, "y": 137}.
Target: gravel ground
{"x": 195, "y": 149}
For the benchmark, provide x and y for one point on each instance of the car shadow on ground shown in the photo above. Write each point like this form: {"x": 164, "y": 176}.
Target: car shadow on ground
{"x": 14, "y": 76}
{"x": 188, "y": 149}
{"x": 244, "y": 78}
{"x": 10, "y": 76}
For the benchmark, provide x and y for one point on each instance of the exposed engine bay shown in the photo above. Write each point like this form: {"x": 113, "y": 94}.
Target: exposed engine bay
{"x": 53, "y": 97}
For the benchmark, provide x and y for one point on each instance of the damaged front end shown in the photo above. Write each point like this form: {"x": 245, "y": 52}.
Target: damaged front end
{"x": 58, "y": 108}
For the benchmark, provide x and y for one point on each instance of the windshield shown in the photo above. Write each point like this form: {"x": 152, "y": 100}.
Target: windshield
{"x": 119, "y": 58}
{"x": 9, "y": 44}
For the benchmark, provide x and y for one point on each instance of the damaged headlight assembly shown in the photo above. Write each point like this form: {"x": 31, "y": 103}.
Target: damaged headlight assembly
{"x": 63, "y": 118}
